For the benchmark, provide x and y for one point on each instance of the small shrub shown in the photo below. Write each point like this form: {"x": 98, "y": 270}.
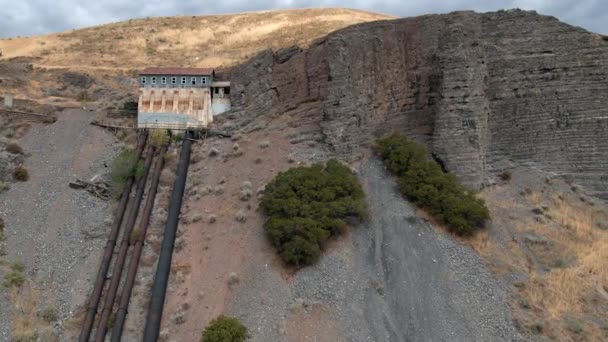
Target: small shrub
{"x": 264, "y": 144}
{"x": 537, "y": 211}
{"x": 159, "y": 137}
{"x": 15, "y": 276}
{"x": 241, "y": 216}
{"x": 212, "y": 218}
{"x": 225, "y": 329}
{"x": 83, "y": 96}
{"x": 177, "y": 138}
{"x": 21, "y": 174}
{"x": 246, "y": 191}
{"x": 4, "y": 186}
{"x": 506, "y": 176}
{"x": 422, "y": 180}
{"x": 14, "y": 148}
{"x": 214, "y": 152}
{"x": 27, "y": 336}
{"x": 140, "y": 169}
{"x": 307, "y": 205}
{"x": 233, "y": 278}
{"x": 124, "y": 165}
{"x": 49, "y": 313}
{"x": 111, "y": 321}
{"x": 600, "y": 224}
{"x": 48, "y": 334}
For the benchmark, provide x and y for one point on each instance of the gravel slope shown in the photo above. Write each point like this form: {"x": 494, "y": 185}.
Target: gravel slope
{"x": 434, "y": 289}
{"x": 57, "y": 232}
{"x": 390, "y": 280}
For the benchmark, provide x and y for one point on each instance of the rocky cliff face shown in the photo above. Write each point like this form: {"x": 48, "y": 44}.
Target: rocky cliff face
{"x": 482, "y": 90}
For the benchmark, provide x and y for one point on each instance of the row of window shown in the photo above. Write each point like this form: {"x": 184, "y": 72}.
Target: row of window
{"x": 163, "y": 80}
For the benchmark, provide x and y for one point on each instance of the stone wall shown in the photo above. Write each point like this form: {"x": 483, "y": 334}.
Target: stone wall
{"x": 482, "y": 90}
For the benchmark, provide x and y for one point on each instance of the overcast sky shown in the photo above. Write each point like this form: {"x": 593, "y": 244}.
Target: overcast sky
{"x": 29, "y": 17}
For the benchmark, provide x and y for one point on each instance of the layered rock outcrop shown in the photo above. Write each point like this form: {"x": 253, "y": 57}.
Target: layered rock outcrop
{"x": 482, "y": 90}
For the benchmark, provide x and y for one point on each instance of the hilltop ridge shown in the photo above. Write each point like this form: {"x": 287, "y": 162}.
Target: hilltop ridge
{"x": 214, "y": 40}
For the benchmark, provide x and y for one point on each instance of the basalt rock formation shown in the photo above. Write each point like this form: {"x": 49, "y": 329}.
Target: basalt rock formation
{"x": 482, "y": 90}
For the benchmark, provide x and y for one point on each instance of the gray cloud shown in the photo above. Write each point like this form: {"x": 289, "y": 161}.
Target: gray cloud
{"x": 31, "y": 17}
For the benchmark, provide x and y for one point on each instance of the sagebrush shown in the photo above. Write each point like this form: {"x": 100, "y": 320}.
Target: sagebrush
{"x": 422, "y": 180}
{"x": 225, "y": 329}
{"x": 124, "y": 165}
{"x": 305, "y": 206}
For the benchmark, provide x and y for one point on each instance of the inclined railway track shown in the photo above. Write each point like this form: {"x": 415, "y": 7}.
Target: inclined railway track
{"x": 110, "y": 297}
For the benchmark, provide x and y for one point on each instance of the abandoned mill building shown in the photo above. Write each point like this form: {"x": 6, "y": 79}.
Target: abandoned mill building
{"x": 180, "y": 98}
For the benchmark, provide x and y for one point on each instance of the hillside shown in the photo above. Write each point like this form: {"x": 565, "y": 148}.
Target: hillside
{"x": 183, "y": 40}
{"x": 511, "y": 102}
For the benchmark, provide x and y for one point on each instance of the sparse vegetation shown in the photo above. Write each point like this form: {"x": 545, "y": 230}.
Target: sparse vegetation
{"x": 48, "y": 334}
{"x": 246, "y": 191}
{"x": 422, "y": 181}
{"x": 506, "y": 176}
{"x": 15, "y": 277}
{"x": 225, "y": 329}
{"x": 241, "y": 216}
{"x": 124, "y": 165}
{"x": 26, "y": 336}
{"x": 21, "y": 174}
{"x": 159, "y": 137}
{"x": 14, "y": 148}
{"x": 307, "y": 205}
{"x": 214, "y": 152}
{"x": 49, "y": 313}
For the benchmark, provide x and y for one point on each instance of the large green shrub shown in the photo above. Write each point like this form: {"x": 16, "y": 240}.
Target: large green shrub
{"x": 225, "y": 329}
{"x": 307, "y": 205}
{"x": 124, "y": 165}
{"x": 421, "y": 180}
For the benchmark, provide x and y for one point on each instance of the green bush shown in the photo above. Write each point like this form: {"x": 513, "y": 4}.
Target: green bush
{"x": 225, "y": 329}
{"x": 124, "y": 165}
{"x": 424, "y": 183}
{"x": 307, "y": 205}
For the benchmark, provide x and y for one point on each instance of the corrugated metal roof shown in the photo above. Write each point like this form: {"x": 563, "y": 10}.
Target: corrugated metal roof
{"x": 177, "y": 71}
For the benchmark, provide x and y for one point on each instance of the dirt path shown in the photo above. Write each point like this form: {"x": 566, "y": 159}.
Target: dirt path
{"x": 57, "y": 232}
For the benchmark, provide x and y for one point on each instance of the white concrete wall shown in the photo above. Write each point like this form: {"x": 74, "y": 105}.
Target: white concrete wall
{"x": 220, "y": 105}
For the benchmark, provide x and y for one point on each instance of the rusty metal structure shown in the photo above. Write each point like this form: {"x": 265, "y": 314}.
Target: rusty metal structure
{"x": 100, "y": 280}
{"x": 161, "y": 278}
{"x": 122, "y": 252}
{"x": 125, "y": 295}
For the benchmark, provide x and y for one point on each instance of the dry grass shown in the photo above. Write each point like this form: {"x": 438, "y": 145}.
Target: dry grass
{"x": 194, "y": 40}
{"x": 567, "y": 272}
